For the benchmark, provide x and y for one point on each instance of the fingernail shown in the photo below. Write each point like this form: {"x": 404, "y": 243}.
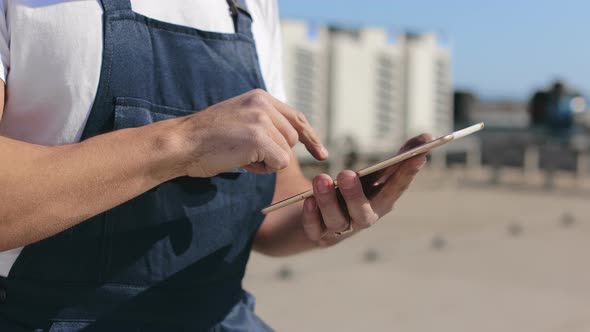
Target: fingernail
{"x": 310, "y": 205}
{"x": 324, "y": 152}
{"x": 347, "y": 182}
{"x": 323, "y": 186}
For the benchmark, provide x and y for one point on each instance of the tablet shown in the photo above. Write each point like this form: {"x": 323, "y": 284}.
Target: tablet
{"x": 384, "y": 164}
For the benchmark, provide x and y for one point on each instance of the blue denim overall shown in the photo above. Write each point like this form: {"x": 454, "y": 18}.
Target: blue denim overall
{"x": 173, "y": 258}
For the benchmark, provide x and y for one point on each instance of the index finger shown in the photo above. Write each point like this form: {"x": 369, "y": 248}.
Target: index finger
{"x": 307, "y": 134}
{"x": 382, "y": 176}
{"x": 416, "y": 141}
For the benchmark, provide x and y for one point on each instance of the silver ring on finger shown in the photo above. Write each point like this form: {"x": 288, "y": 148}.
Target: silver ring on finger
{"x": 346, "y": 231}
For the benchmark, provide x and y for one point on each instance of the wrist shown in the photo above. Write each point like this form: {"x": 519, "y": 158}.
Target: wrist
{"x": 167, "y": 149}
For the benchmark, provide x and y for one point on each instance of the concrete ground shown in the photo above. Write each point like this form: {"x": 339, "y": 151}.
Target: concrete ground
{"x": 457, "y": 254}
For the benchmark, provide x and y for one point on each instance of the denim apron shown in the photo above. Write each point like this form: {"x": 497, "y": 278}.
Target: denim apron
{"x": 173, "y": 258}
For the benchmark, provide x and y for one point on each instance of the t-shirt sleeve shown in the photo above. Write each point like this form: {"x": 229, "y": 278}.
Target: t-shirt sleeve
{"x": 4, "y": 42}
{"x": 276, "y": 83}
{"x": 274, "y": 68}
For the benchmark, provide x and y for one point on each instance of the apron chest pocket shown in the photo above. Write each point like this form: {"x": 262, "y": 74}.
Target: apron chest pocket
{"x": 134, "y": 112}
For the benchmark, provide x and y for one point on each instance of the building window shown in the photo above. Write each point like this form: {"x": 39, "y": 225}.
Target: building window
{"x": 385, "y": 92}
{"x": 305, "y": 82}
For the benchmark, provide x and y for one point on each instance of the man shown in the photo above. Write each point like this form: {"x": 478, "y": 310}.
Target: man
{"x": 123, "y": 207}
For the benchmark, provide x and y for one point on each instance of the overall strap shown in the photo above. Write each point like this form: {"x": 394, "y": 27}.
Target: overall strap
{"x": 111, "y": 5}
{"x": 241, "y": 16}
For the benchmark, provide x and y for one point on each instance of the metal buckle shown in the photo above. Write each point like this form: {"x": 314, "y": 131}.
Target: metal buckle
{"x": 233, "y": 7}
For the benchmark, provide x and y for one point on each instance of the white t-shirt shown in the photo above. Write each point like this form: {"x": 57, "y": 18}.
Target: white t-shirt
{"x": 51, "y": 52}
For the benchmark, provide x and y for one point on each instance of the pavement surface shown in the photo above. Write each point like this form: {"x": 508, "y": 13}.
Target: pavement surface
{"x": 457, "y": 254}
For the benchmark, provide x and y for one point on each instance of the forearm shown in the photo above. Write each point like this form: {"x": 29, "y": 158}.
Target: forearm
{"x": 281, "y": 233}
{"x": 46, "y": 190}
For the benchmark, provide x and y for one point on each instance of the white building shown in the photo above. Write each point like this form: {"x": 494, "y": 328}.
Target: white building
{"x": 305, "y": 67}
{"x": 363, "y": 85}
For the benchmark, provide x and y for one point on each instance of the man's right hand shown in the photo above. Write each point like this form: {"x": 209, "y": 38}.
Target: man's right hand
{"x": 254, "y": 131}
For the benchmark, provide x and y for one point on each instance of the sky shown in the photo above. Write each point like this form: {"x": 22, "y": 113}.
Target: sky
{"x": 500, "y": 48}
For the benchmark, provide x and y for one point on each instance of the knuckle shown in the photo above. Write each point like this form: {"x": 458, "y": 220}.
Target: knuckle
{"x": 301, "y": 118}
{"x": 258, "y": 117}
{"x": 257, "y": 98}
{"x": 370, "y": 219}
{"x": 364, "y": 221}
{"x": 292, "y": 137}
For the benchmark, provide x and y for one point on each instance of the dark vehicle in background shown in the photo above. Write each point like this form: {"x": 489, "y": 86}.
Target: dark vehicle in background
{"x": 558, "y": 110}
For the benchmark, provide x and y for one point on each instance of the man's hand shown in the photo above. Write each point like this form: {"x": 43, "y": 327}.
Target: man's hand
{"x": 360, "y": 203}
{"x": 254, "y": 131}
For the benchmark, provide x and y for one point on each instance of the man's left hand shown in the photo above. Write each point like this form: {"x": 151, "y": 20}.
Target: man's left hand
{"x": 358, "y": 203}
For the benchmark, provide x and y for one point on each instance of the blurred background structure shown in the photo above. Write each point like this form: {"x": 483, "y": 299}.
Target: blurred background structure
{"x": 495, "y": 232}
{"x": 367, "y": 85}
